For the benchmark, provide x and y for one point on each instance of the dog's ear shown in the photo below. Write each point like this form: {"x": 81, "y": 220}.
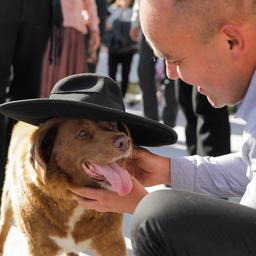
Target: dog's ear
{"x": 42, "y": 144}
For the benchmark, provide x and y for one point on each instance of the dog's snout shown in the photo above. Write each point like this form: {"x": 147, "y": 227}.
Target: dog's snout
{"x": 121, "y": 142}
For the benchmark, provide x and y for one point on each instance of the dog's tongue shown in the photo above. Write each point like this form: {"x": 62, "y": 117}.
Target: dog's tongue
{"x": 118, "y": 177}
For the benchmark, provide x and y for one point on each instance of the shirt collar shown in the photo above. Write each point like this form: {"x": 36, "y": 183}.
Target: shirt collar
{"x": 246, "y": 106}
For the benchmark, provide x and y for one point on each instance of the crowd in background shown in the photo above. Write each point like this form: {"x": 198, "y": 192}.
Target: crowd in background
{"x": 51, "y": 39}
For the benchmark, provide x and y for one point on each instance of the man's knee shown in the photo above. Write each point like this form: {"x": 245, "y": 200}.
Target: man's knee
{"x": 160, "y": 206}
{"x": 160, "y": 220}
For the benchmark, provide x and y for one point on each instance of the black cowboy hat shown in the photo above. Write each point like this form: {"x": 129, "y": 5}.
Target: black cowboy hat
{"x": 90, "y": 96}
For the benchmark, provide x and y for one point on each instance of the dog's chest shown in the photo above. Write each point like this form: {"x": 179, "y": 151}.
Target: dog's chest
{"x": 68, "y": 244}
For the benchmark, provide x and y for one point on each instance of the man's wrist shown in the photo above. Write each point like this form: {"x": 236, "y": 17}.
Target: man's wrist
{"x": 165, "y": 170}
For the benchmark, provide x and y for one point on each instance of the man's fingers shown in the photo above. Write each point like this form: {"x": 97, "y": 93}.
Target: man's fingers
{"x": 88, "y": 204}
{"x": 89, "y": 193}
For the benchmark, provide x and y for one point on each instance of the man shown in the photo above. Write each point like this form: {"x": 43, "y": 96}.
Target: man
{"x": 214, "y": 47}
{"x": 204, "y": 136}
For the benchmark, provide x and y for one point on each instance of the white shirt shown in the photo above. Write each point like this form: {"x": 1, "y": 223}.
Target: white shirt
{"x": 231, "y": 175}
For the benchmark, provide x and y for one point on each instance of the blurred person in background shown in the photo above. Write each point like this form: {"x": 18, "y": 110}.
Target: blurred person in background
{"x": 102, "y": 15}
{"x": 147, "y": 77}
{"x": 121, "y": 48}
{"x": 25, "y": 27}
{"x": 207, "y": 129}
{"x": 66, "y": 51}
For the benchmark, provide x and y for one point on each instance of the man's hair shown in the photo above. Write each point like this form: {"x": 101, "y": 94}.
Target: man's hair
{"x": 207, "y": 16}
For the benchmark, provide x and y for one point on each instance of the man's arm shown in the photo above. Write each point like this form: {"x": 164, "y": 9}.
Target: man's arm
{"x": 223, "y": 176}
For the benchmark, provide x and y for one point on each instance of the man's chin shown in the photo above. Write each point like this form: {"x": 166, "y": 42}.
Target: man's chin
{"x": 215, "y": 103}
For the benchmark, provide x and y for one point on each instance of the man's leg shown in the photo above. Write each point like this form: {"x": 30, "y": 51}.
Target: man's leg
{"x": 126, "y": 67}
{"x": 33, "y": 34}
{"x": 25, "y": 26}
{"x": 175, "y": 223}
{"x": 146, "y": 72}
{"x": 113, "y": 60}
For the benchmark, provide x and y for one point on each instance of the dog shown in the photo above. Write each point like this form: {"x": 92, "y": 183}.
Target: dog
{"x": 43, "y": 164}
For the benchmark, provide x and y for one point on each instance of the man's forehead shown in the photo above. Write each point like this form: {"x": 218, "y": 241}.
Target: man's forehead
{"x": 161, "y": 53}
{"x": 156, "y": 16}
{"x": 156, "y": 2}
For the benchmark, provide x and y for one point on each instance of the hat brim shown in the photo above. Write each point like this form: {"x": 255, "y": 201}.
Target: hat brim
{"x": 144, "y": 131}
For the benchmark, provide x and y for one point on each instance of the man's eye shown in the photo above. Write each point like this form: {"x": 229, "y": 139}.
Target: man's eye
{"x": 174, "y": 62}
{"x": 171, "y": 62}
{"x": 84, "y": 135}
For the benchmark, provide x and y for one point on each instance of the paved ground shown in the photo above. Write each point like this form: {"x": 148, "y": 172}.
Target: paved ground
{"x": 16, "y": 245}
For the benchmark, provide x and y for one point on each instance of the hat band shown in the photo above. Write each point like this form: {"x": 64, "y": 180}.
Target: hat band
{"x": 91, "y": 98}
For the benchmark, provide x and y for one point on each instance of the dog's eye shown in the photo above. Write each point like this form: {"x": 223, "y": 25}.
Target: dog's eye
{"x": 109, "y": 126}
{"x": 122, "y": 128}
{"x": 84, "y": 135}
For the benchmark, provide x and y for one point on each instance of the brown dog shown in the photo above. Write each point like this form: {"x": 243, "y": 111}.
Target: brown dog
{"x": 43, "y": 164}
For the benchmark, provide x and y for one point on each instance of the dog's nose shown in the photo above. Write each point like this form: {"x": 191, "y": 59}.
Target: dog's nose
{"x": 121, "y": 142}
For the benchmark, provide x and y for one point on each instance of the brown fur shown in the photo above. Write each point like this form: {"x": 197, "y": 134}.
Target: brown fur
{"x": 42, "y": 165}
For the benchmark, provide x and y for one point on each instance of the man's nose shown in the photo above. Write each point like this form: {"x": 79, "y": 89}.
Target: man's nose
{"x": 171, "y": 71}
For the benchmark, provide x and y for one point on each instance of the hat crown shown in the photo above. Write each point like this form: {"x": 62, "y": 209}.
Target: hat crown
{"x": 89, "y": 88}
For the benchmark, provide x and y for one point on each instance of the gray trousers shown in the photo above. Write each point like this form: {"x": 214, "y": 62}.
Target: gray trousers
{"x": 175, "y": 223}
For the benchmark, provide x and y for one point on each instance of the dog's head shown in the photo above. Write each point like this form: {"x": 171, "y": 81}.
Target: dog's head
{"x": 82, "y": 150}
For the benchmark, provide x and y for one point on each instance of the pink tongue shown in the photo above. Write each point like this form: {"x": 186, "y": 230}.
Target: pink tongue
{"x": 118, "y": 177}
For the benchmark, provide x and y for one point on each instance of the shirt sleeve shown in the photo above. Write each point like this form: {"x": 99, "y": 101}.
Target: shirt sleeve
{"x": 223, "y": 176}
{"x": 249, "y": 149}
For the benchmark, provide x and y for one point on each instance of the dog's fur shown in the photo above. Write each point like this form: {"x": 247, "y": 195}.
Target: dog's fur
{"x": 43, "y": 163}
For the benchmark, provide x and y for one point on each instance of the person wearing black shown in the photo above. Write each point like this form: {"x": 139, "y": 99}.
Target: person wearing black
{"x": 121, "y": 47}
{"x": 24, "y": 28}
{"x": 207, "y": 129}
{"x": 146, "y": 73}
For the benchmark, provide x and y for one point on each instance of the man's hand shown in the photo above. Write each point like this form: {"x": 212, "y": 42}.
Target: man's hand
{"x": 103, "y": 200}
{"x": 148, "y": 168}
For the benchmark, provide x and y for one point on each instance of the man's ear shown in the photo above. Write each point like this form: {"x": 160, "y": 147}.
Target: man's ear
{"x": 234, "y": 39}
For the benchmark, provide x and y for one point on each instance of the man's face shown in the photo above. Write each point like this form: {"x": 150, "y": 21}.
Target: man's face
{"x": 209, "y": 66}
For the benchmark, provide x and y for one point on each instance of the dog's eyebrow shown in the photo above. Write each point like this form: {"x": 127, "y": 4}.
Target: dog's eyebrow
{"x": 122, "y": 128}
